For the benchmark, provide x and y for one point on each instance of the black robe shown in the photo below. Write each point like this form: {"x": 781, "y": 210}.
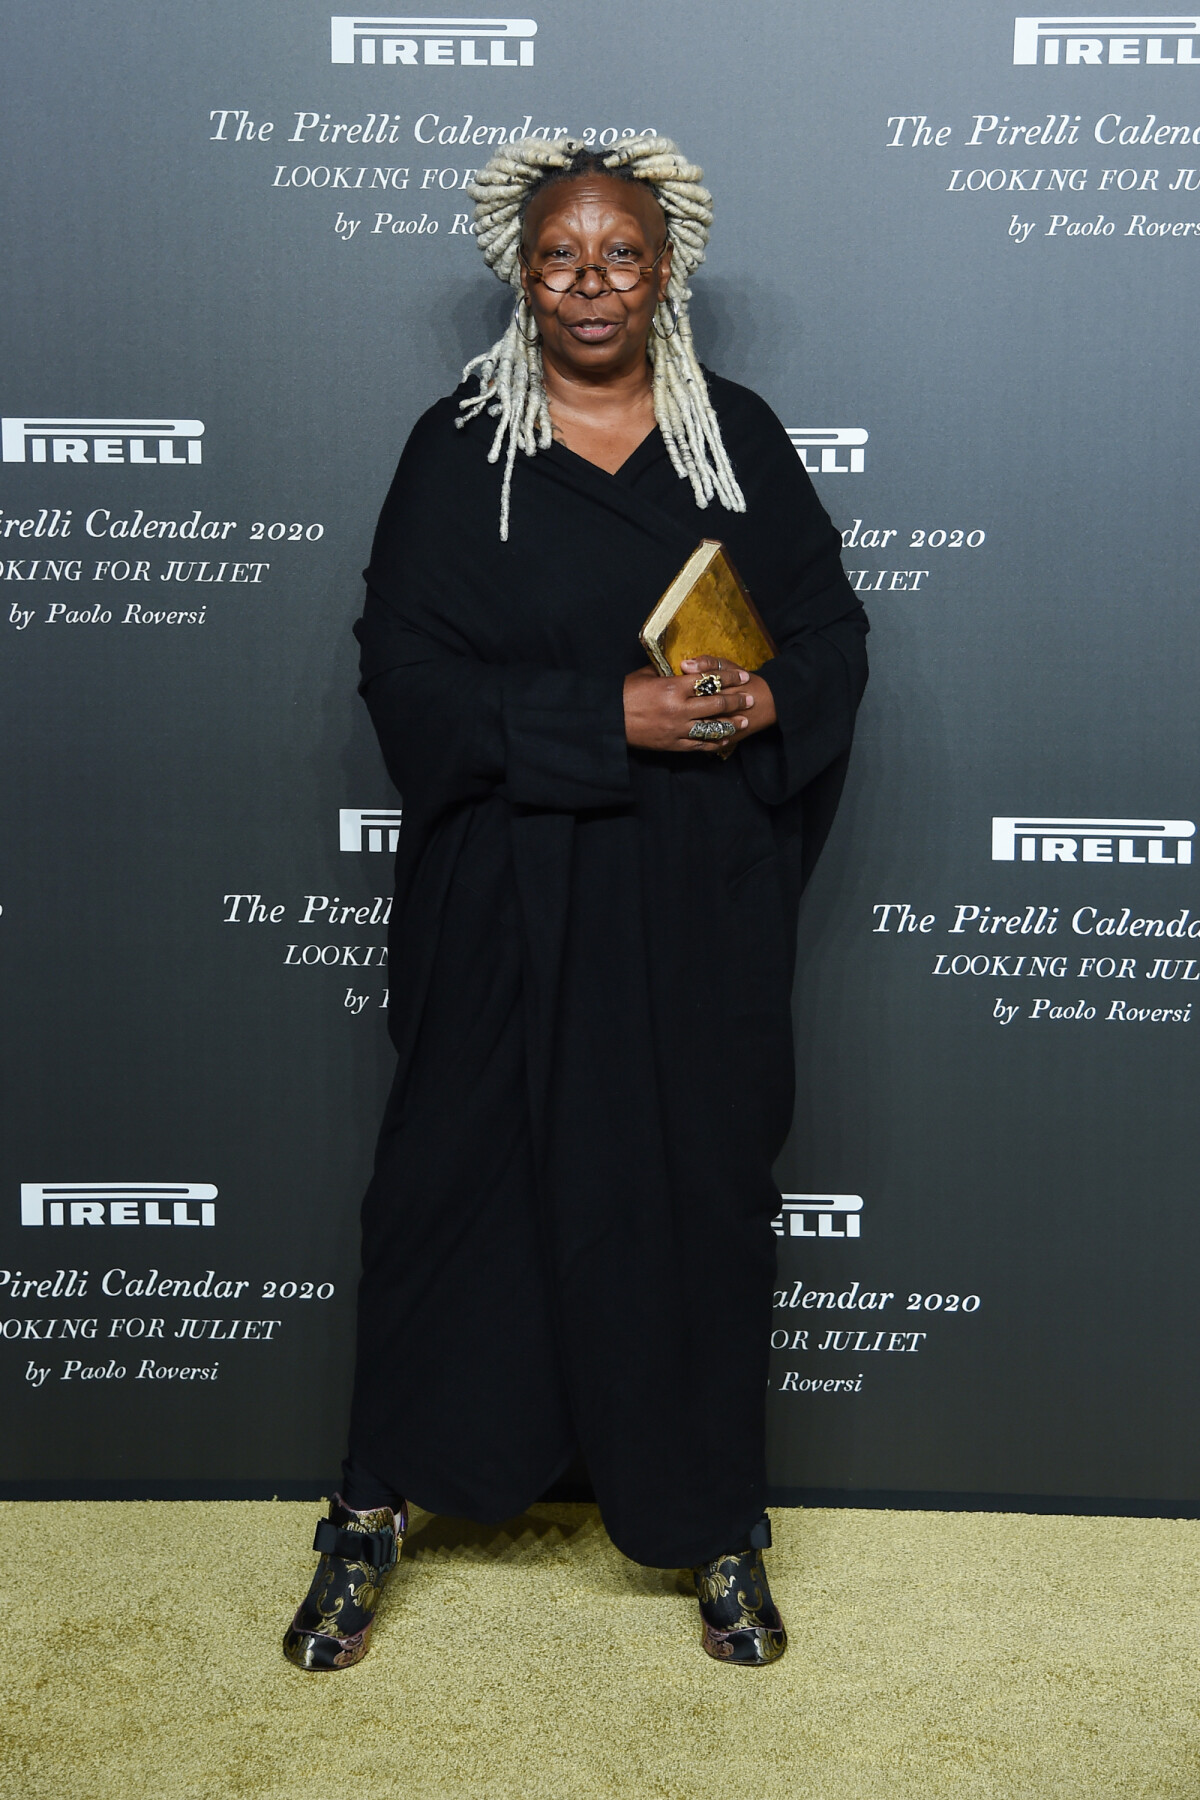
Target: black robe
{"x": 567, "y": 1241}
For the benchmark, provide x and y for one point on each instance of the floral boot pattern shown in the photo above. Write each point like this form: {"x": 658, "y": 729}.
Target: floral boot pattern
{"x": 740, "y": 1621}
{"x": 359, "y": 1550}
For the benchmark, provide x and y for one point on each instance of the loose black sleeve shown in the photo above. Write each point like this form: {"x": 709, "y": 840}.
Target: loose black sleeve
{"x": 816, "y": 682}
{"x": 819, "y": 626}
{"x": 452, "y": 724}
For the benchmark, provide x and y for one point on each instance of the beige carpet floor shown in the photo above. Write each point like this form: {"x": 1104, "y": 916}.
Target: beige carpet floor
{"x": 932, "y": 1654}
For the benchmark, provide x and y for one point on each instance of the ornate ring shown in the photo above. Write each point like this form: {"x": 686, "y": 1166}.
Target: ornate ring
{"x": 711, "y": 731}
{"x": 704, "y": 685}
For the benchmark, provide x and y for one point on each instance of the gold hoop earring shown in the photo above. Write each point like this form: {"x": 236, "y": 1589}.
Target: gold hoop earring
{"x": 522, "y": 302}
{"x": 674, "y": 310}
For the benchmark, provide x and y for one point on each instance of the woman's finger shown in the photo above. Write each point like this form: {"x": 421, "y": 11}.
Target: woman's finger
{"x": 714, "y": 665}
{"x": 715, "y": 706}
{"x": 688, "y": 742}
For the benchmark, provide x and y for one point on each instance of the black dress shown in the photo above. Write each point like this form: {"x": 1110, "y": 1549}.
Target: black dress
{"x": 567, "y": 1240}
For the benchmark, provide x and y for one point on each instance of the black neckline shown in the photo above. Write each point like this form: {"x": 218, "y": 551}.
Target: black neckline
{"x": 649, "y": 447}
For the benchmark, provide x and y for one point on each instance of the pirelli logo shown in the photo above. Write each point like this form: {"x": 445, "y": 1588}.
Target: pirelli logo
{"x": 819, "y": 1216}
{"x": 432, "y": 43}
{"x": 830, "y": 449}
{"x": 1069, "y": 838}
{"x": 118, "y": 1203}
{"x": 1107, "y": 39}
{"x": 374, "y": 829}
{"x": 162, "y": 442}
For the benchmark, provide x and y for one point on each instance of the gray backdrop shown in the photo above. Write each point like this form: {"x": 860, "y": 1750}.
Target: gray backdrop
{"x": 974, "y": 306}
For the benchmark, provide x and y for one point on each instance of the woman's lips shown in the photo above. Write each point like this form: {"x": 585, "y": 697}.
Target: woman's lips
{"x": 593, "y": 331}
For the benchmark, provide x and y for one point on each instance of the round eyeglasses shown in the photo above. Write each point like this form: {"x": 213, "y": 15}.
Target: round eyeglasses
{"x": 620, "y": 272}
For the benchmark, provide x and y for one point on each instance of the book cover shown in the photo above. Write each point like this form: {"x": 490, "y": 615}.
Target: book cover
{"x": 706, "y": 611}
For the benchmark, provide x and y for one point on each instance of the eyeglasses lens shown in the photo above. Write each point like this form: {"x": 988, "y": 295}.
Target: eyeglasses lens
{"x": 620, "y": 275}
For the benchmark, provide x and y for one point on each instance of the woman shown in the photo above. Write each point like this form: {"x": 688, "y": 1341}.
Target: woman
{"x": 567, "y": 1242}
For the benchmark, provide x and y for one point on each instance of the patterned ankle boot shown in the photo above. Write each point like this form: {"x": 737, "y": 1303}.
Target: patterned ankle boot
{"x": 741, "y": 1623}
{"x": 359, "y": 1550}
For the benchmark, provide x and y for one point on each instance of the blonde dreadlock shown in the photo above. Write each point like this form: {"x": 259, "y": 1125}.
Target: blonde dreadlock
{"x": 511, "y": 386}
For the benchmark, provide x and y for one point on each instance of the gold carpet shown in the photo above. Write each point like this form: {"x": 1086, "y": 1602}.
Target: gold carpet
{"x": 932, "y": 1654}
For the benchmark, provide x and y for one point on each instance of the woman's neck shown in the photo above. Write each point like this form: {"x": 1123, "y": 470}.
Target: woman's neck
{"x": 602, "y": 421}
{"x": 624, "y": 395}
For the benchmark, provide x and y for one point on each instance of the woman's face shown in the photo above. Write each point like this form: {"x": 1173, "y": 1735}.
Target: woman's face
{"x": 592, "y": 332}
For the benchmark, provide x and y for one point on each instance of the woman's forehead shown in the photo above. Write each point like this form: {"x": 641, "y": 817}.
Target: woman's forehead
{"x": 595, "y": 202}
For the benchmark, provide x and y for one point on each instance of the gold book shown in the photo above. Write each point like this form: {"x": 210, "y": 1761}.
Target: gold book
{"x": 706, "y": 611}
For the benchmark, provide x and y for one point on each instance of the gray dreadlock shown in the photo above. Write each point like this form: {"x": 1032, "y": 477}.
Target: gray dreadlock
{"x": 511, "y": 387}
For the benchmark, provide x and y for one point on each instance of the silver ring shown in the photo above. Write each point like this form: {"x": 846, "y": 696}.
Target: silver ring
{"x": 712, "y": 731}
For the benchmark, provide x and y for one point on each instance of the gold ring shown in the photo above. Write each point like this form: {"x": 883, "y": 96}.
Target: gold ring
{"x": 704, "y": 685}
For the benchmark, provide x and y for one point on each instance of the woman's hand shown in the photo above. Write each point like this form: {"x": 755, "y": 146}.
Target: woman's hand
{"x": 661, "y": 710}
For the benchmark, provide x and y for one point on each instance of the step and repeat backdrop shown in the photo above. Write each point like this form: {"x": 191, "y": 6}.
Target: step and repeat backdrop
{"x": 956, "y": 248}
